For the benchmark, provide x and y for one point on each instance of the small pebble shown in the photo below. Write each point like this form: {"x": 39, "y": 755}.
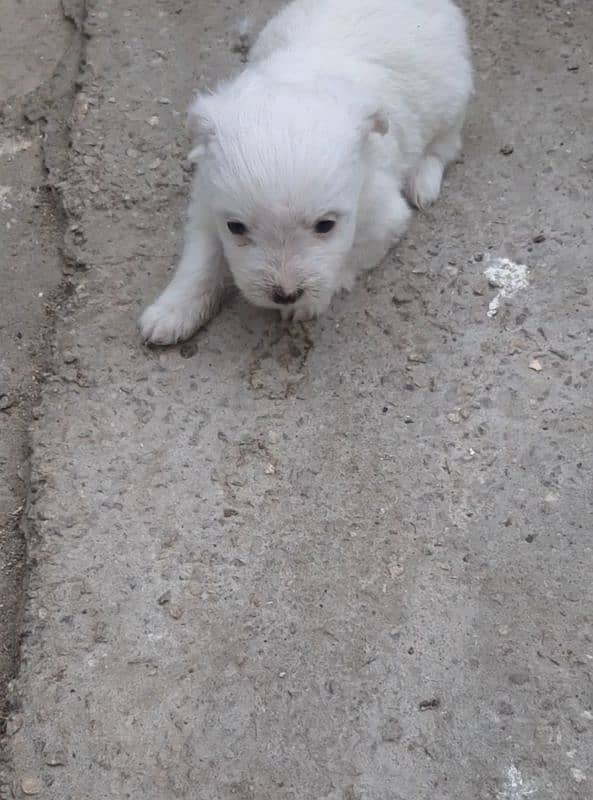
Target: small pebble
{"x": 507, "y": 149}
{"x": 176, "y": 612}
{"x": 164, "y": 598}
{"x": 428, "y": 705}
{"x": 578, "y": 775}
{"x": 535, "y": 365}
{"x": 560, "y": 353}
{"x": 399, "y": 300}
{"x": 454, "y": 417}
{"x": 505, "y": 709}
{"x": 31, "y": 786}
{"x": 539, "y": 238}
{"x": 14, "y": 724}
{"x": 188, "y": 349}
{"x": 518, "y": 678}
{"x": 55, "y": 758}
{"x": 69, "y": 357}
{"x": 5, "y": 402}
{"x": 395, "y": 570}
{"x": 391, "y": 731}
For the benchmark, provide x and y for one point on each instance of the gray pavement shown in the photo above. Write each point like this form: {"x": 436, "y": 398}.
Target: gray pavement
{"x": 35, "y": 44}
{"x": 347, "y": 561}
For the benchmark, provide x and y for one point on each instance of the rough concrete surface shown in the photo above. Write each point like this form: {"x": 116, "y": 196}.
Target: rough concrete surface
{"x": 347, "y": 561}
{"x": 34, "y": 38}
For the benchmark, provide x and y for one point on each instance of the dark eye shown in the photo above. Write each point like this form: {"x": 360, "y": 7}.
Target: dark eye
{"x": 237, "y": 228}
{"x": 324, "y": 225}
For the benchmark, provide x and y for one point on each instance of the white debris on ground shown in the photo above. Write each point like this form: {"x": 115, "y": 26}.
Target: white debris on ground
{"x": 10, "y": 145}
{"x": 504, "y": 274}
{"x": 5, "y": 205}
{"x": 516, "y": 788}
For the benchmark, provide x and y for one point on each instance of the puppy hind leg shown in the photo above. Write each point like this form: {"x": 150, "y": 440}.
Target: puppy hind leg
{"x": 424, "y": 186}
{"x": 384, "y": 224}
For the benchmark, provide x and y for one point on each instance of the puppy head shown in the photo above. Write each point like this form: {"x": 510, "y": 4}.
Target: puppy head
{"x": 282, "y": 171}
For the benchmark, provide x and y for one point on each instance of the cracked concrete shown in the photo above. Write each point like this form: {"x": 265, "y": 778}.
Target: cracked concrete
{"x": 35, "y": 42}
{"x": 348, "y": 561}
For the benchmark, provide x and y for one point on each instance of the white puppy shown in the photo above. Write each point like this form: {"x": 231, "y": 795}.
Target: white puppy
{"x": 305, "y": 158}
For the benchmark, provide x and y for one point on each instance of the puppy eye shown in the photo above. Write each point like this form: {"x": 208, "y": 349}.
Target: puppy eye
{"x": 237, "y": 228}
{"x": 324, "y": 225}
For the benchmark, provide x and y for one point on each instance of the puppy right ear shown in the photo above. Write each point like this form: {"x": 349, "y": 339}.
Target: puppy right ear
{"x": 375, "y": 122}
{"x": 378, "y": 122}
{"x": 200, "y": 127}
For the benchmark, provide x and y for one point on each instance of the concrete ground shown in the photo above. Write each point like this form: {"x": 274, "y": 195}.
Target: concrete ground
{"x": 348, "y": 561}
{"x": 31, "y": 276}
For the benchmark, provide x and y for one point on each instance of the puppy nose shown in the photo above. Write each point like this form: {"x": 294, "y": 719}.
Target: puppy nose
{"x": 284, "y": 298}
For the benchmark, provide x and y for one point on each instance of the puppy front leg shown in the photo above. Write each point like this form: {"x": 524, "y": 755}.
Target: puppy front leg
{"x": 195, "y": 293}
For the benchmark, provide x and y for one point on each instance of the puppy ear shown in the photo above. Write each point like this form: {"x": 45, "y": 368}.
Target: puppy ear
{"x": 380, "y": 122}
{"x": 201, "y": 128}
{"x": 377, "y": 122}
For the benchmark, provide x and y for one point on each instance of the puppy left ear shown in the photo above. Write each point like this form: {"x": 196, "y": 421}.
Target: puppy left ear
{"x": 201, "y": 128}
{"x": 377, "y": 122}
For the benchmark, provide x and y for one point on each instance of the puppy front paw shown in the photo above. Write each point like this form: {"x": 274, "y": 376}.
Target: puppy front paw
{"x": 298, "y": 314}
{"x": 170, "y": 320}
{"x": 304, "y": 314}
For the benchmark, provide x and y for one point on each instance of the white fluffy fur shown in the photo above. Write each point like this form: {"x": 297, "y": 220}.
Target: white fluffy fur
{"x": 346, "y": 107}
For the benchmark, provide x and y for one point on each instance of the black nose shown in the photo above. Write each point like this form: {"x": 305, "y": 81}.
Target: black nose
{"x": 284, "y": 298}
